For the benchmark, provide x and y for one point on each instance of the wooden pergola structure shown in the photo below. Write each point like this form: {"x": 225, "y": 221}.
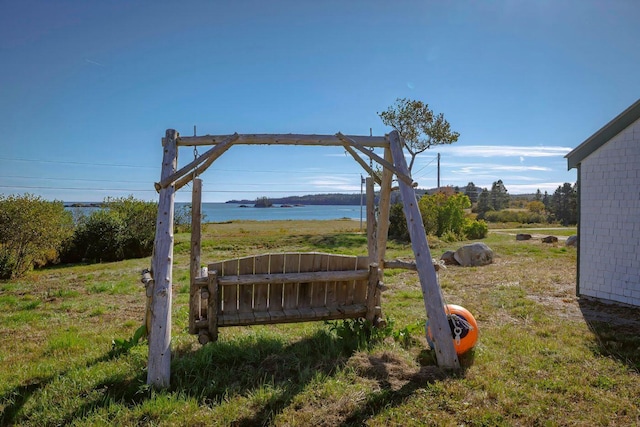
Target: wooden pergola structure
{"x": 159, "y": 285}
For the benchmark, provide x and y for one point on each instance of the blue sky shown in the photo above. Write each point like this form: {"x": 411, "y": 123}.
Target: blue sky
{"x": 88, "y": 88}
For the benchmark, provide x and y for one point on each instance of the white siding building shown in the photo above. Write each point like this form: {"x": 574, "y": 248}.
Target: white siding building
{"x": 608, "y": 166}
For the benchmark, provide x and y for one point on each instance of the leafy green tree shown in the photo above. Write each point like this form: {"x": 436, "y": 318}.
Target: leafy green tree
{"x": 429, "y": 211}
{"x": 499, "y": 196}
{"x": 546, "y": 200}
{"x": 564, "y": 204}
{"x": 418, "y": 125}
{"x": 472, "y": 192}
{"x": 484, "y": 203}
{"x": 32, "y": 231}
{"x": 538, "y": 196}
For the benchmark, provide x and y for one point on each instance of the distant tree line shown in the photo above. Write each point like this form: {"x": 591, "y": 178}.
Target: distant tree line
{"x": 309, "y": 199}
{"x": 453, "y": 213}
{"x": 496, "y": 205}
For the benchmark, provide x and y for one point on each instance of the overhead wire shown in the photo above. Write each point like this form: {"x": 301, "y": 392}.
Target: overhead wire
{"x": 115, "y": 165}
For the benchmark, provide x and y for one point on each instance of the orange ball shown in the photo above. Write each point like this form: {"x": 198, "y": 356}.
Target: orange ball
{"x": 464, "y": 328}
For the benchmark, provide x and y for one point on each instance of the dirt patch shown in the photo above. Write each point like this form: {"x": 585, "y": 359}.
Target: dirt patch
{"x": 591, "y": 311}
{"x": 392, "y": 371}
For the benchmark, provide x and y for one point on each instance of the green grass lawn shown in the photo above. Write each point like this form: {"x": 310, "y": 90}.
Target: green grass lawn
{"x": 540, "y": 360}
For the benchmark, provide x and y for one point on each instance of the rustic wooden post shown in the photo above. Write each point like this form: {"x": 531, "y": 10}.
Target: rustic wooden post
{"x": 194, "y": 270}
{"x": 372, "y": 246}
{"x": 384, "y": 206}
{"x": 159, "y": 363}
{"x": 212, "y": 308}
{"x": 434, "y": 305}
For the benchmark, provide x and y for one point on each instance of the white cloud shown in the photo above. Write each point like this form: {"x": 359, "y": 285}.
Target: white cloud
{"x": 333, "y": 183}
{"x": 503, "y": 151}
{"x": 475, "y": 168}
{"x": 549, "y": 187}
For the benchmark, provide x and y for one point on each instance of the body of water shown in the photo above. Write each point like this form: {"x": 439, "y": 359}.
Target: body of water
{"x": 220, "y": 212}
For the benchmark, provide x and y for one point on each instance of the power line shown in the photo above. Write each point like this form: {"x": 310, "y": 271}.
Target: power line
{"x": 421, "y": 169}
{"x": 66, "y": 162}
{"x": 130, "y": 182}
{"x": 35, "y": 187}
{"x": 154, "y": 191}
{"x": 68, "y": 179}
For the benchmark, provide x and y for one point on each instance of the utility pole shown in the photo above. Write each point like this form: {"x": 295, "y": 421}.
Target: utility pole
{"x": 438, "y": 171}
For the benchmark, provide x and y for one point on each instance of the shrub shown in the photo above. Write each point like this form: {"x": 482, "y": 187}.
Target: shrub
{"x": 32, "y": 231}
{"x": 182, "y": 219}
{"x": 476, "y": 229}
{"x": 139, "y": 225}
{"x": 100, "y": 237}
{"x": 124, "y": 229}
{"x": 522, "y": 217}
{"x": 398, "y": 223}
{"x": 444, "y": 214}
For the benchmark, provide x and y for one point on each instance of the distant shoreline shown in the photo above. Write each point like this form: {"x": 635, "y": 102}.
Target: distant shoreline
{"x": 83, "y": 205}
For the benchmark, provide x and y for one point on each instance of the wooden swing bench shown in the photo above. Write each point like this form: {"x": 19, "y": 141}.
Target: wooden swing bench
{"x": 290, "y": 287}
{"x": 283, "y": 288}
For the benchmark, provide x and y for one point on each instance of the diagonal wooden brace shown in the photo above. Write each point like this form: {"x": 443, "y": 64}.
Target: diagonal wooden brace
{"x": 200, "y": 164}
{"x": 401, "y": 176}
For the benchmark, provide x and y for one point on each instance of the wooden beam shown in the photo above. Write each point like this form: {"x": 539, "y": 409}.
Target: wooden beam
{"x": 409, "y": 265}
{"x": 314, "y": 276}
{"x": 433, "y": 301}
{"x": 194, "y": 266}
{"x": 384, "y": 206}
{"x": 210, "y": 156}
{"x": 283, "y": 139}
{"x": 213, "y": 303}
{"x": 372, "y": 227}
{"x": 159, "y": 363}
{"x": 362, "y": 163}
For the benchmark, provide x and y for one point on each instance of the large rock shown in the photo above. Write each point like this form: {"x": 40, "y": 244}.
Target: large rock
{"x": 449, "y": 258}
{"x": 572, "y": 240}
{"x": 474, "y": 254}
{"x": 523, "y": 236}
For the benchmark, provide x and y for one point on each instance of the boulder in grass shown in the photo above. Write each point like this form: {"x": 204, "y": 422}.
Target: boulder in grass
{"x": 448, "y": 258}
{"x": 572, "y": 241}
{"x": 550, "y": 239}
{"x": 523, "y": 236}
{"x": 474, "y": 254}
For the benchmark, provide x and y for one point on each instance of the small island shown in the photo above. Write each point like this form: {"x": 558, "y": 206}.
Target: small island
{"x": 263, "y": 202}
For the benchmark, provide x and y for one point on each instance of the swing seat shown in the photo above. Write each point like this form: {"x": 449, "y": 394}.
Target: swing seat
{"x": 285, "y": 288}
